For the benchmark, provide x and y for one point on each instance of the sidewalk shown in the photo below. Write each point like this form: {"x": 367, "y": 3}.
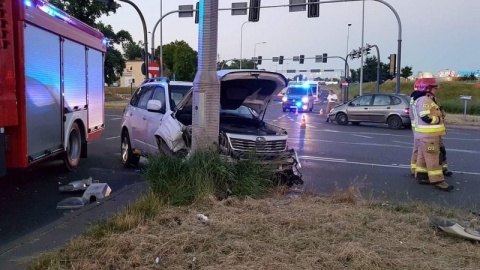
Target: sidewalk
{"x": 17, "y": 254}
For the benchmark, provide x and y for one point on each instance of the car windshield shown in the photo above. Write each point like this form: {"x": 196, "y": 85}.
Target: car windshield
{"x": 177, "y": 92}
{"x": 297, "y": 91}
{"x": 241, "y": 111}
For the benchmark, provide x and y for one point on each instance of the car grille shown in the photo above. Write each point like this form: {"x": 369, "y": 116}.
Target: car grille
{"x": 262, "y": 147}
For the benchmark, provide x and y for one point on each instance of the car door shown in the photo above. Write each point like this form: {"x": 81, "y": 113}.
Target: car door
{"x": 154, "y": 119}
{"x": 139, "y": 119}
{"x": 358, "y": 109}
{"x": 381, "y": 106}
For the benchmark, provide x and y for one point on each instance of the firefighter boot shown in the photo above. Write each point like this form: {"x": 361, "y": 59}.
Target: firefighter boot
{"x": 444, "y": 186}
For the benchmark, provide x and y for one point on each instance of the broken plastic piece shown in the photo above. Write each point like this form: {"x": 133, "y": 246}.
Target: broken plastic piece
{"x": 202, "y": 218}
{"x": 456, "y": 229}
{"x": 97, "y": 191}
{"x": 72, "y": 203}
{"x": 76, "y": 185}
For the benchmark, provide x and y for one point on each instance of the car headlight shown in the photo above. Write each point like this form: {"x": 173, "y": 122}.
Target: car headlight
{"x": 304, "y": 99}
{"x": 284, "y": 99}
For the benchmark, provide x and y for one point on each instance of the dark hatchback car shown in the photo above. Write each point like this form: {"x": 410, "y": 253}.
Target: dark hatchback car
{"x": 391, "y": 109}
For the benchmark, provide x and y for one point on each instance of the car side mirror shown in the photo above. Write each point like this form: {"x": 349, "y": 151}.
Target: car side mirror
{"x": 154, "y": 105}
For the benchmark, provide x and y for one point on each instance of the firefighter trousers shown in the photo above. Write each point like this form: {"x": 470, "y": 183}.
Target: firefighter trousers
{"x": 428, "y": 167}
{"x": 443, "y": 156}
{"x": 413, "y": 159}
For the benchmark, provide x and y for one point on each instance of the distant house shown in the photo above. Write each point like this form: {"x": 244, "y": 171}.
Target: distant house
{"x": 132, "y": 71}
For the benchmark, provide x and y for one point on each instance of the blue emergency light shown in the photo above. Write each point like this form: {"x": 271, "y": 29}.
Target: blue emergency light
{"x": 28, "y": 3}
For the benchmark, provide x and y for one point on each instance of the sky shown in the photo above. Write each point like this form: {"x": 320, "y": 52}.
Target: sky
{"x": 435, "y": 34}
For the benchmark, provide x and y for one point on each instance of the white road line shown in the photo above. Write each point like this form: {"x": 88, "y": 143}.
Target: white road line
{"x": 401, "y": 166}
{"x": 362, "y": 136}
{"x": 409, "y": 143}
{"x": 293, "y": 139}
{"x": 117, "y": 118}
{"x": 114, "y": 115}
{"x": 111, "y": 138}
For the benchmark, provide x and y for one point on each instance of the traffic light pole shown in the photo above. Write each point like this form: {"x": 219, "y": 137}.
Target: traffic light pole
{"x": 399, "y": 46}
{"x": 145, "y": 39}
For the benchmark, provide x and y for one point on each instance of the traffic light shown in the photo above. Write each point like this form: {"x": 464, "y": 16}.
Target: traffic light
{"x": 280, "y": 60}
{"x": 393, "y": 61}
{"x": 197, "y": 11}
{"x": 324, "y": 58}
{"x": 313, "y": 9}
{"x": 259, "y": 60}
{"x": 254, "y": 11}
{"x": 302, "y": 58}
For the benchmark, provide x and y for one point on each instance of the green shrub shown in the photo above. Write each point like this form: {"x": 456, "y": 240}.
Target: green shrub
{"x": 180, "y": 181}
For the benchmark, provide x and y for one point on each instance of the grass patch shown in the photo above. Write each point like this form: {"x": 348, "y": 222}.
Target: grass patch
{"x": 183, "y": 181}
{"x": 448, "y": 94}
{"x": 342, "y": 231}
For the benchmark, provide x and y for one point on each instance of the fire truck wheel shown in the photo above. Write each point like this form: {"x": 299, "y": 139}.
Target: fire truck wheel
{"x": 74, "y": 148}
{"x": 128, "y": 157}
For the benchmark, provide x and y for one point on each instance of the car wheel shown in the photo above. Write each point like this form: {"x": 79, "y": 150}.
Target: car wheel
{"x": 394, "y": 122}
{"x": 74, "y": 148}
{"x": 342, "y": 119}
{"x": 163, "y": 148}
{"x": 128, "y": 157}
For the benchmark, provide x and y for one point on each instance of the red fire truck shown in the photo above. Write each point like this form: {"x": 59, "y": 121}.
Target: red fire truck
{"x": 51, "y": 84}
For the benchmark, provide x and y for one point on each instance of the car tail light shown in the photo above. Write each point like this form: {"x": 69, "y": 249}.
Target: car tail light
{"x": 407, "y": 110}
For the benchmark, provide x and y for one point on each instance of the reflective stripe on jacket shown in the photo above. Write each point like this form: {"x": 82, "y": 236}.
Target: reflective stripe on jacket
{"x": 425, "y": 106}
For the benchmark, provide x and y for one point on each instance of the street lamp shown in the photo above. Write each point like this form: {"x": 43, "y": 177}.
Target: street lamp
{"x": 348, "y": 34}
{"x": 255, "y": 51}
{"x": 241, "y": 43}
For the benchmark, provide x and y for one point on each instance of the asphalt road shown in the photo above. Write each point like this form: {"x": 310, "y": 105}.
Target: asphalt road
{"x": 28, "y": 198}
{"x": 376, "y": 159}
{"x": 370, "y": 157}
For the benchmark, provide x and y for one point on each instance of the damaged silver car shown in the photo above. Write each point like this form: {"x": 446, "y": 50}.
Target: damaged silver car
{"x": 244, "y": 97}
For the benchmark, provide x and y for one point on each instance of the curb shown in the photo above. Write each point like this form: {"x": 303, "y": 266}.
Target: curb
{"x": 18, "y": 253}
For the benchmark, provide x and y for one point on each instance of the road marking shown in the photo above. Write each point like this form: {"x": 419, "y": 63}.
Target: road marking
{"x": 402, "y": 166}
{"x": 117, "y": 118}
{"x": 362, "y": 136}
{"x": 111, "y": 138}
{"x": 115, "y": 115}
{"x": 409, "y": 143}
{"x": 375, "y": 144}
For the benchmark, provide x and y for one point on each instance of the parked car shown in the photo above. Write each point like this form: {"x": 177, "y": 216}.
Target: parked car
{"x": 298, "y": 97}
{"x": 391, "y": 109}
{"x": 153, "y": 124}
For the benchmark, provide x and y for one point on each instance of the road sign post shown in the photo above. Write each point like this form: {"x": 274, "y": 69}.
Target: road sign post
{"x": 153, "y": 68}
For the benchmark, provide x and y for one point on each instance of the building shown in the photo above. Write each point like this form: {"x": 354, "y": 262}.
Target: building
{"x": 132, "y": 71}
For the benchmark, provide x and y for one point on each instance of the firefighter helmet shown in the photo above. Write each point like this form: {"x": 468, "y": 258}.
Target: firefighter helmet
{"x": 424, "y": 83}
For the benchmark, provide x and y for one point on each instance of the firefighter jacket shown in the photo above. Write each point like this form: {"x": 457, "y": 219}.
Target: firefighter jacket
{"x": 428, "y": 117}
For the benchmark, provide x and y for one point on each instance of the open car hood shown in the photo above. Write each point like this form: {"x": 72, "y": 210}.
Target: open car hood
{"x": 251, "y": 88}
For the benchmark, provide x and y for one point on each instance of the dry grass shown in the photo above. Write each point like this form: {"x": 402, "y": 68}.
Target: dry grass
{"x": 462, "y": 120}
{"x": 342, "y": 231}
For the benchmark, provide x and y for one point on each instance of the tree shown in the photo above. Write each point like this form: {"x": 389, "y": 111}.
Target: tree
{"x": 406, "y": 72}
{"x": 235, "y": 64}
{"x": 132, "y": 50}
{"x": 87, "y": 11}
{"x": 179, "y": 59}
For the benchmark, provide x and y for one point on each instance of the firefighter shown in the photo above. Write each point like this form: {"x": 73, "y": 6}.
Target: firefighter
{"x": 413, "y": 161}
{"x": 429, "y": 128}
{"x": 443, "y": 151}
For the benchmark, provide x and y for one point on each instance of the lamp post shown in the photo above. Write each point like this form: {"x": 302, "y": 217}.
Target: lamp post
{"x": 255, "y": 51}
{"x": 160, "y": 57}
{"x": 241, "y": 43}
{"x": 348, "y": 34}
